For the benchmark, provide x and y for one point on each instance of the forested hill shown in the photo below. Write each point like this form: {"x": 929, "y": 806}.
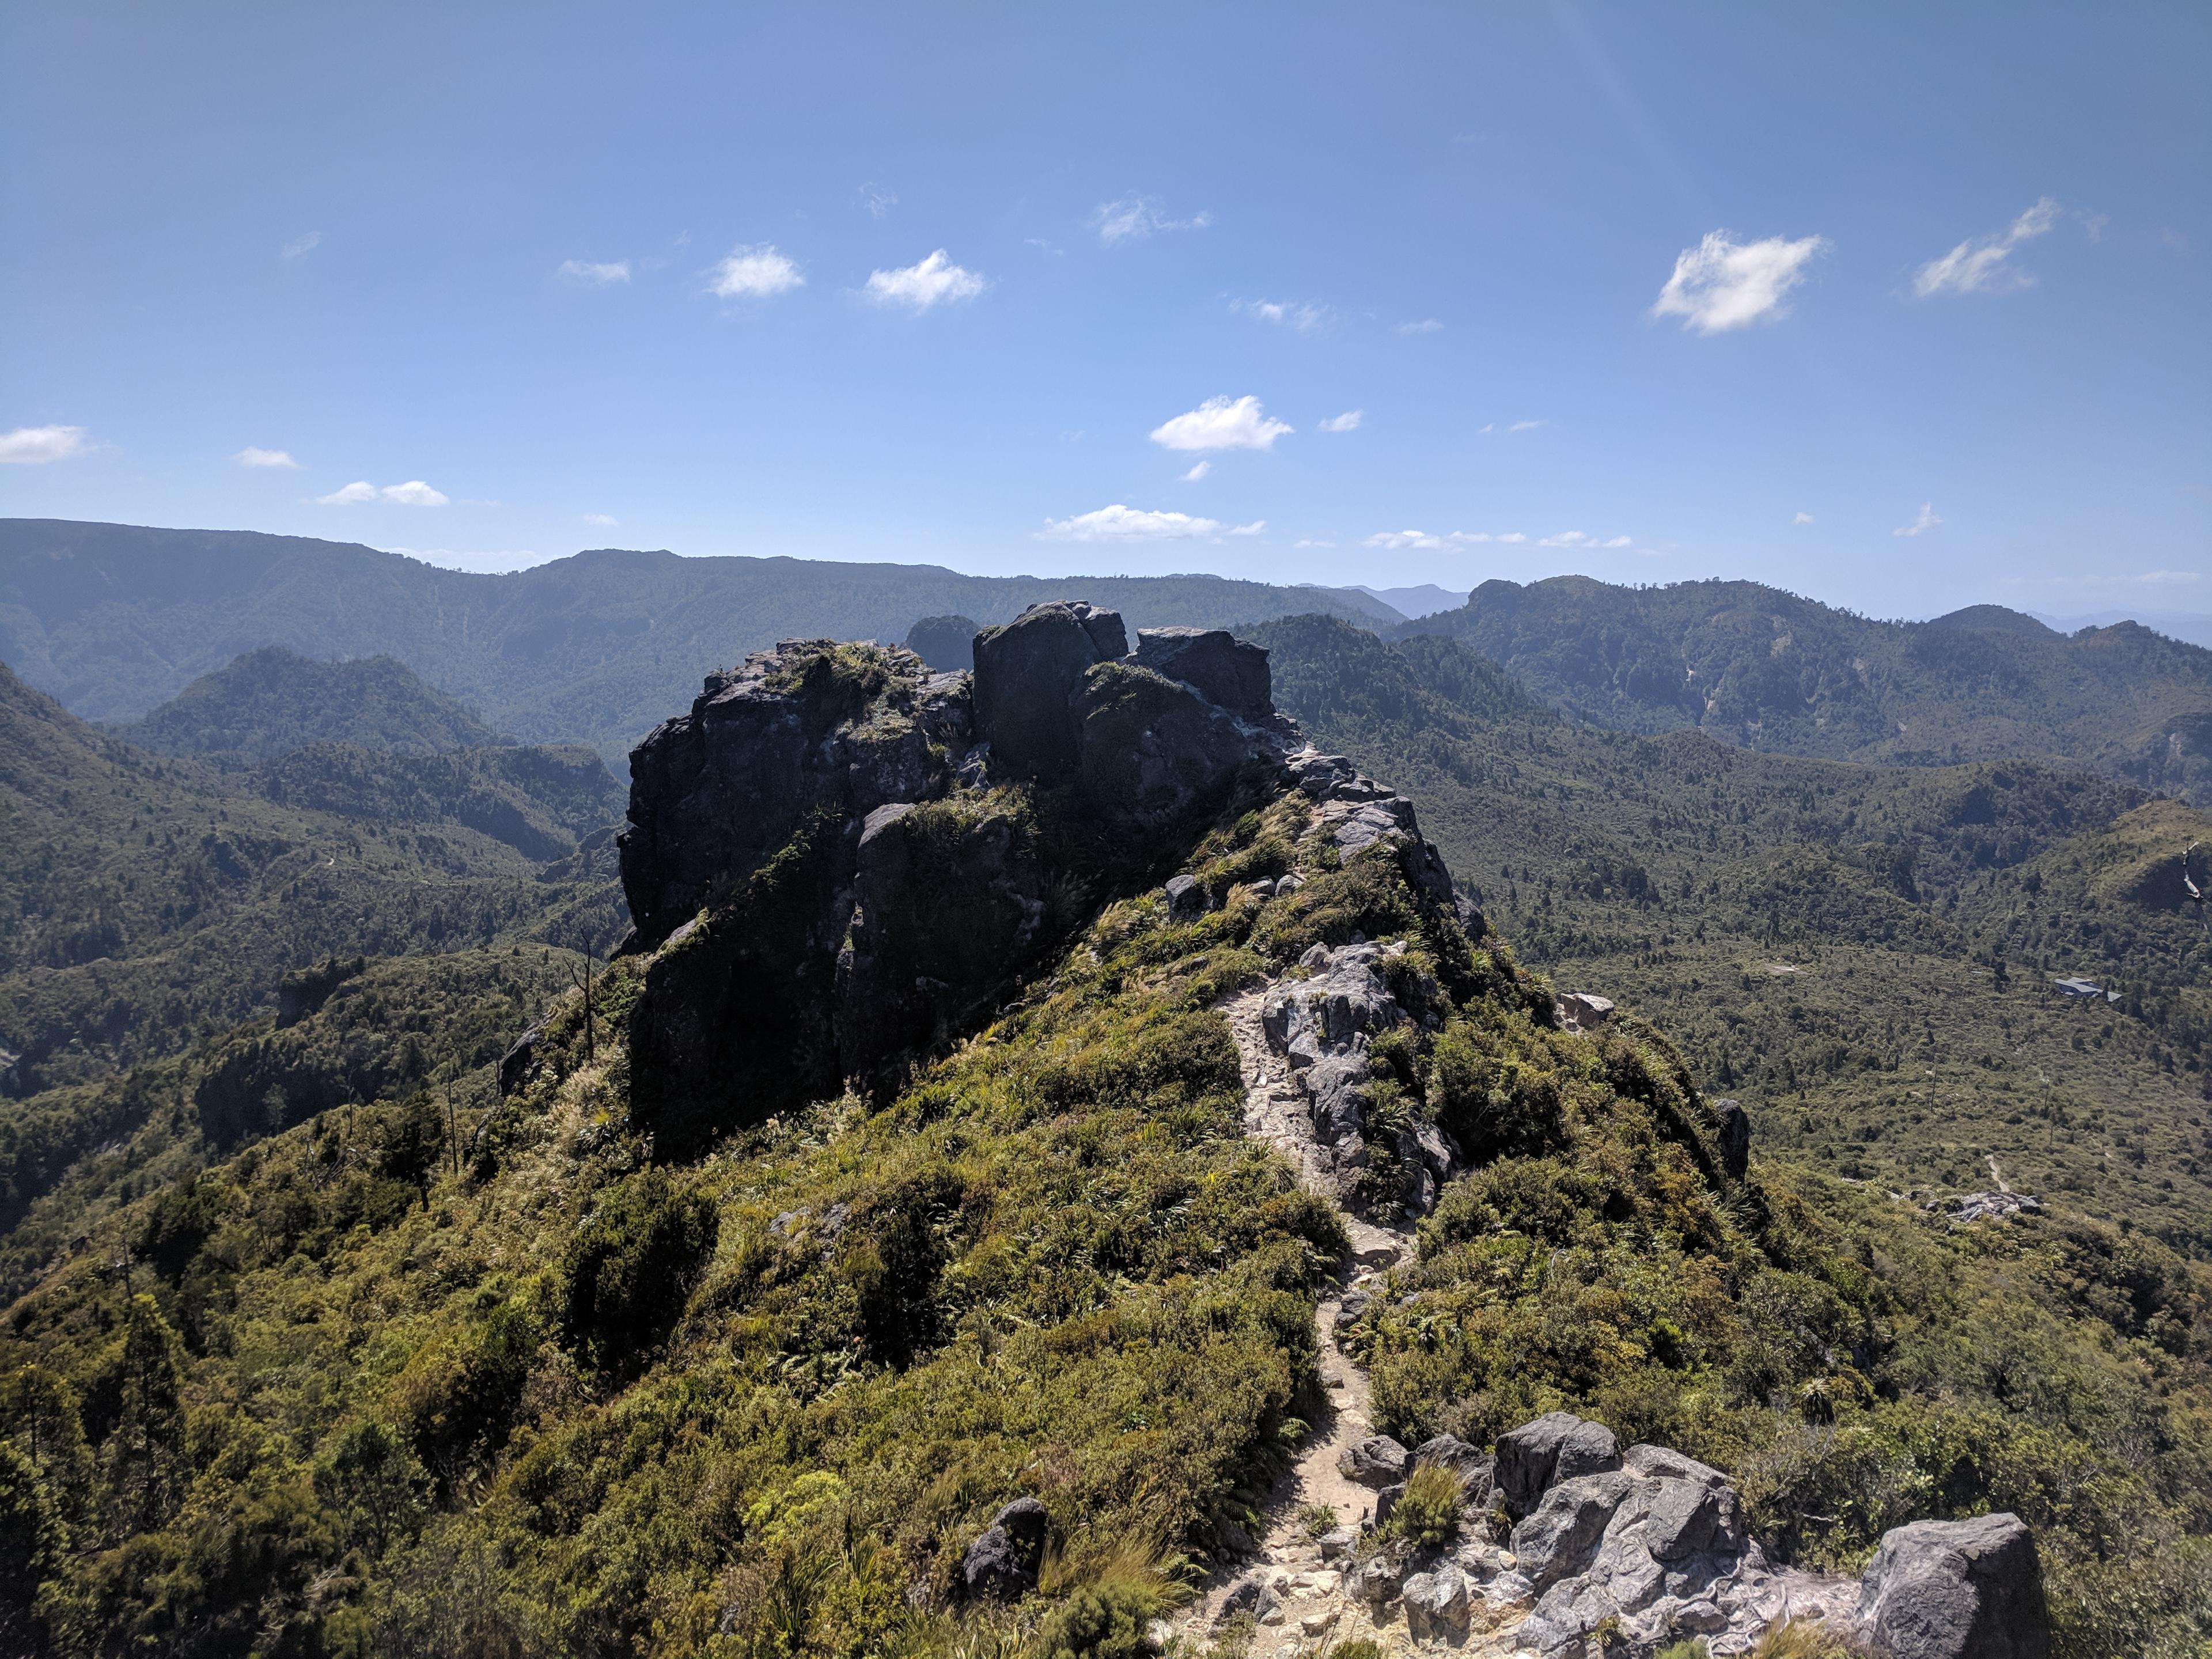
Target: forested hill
{"x": 113, "y": 619}
{"x": 1863, "y": 954}
{"x": 271, "y": 701}
{"x": 1765, "y": 669}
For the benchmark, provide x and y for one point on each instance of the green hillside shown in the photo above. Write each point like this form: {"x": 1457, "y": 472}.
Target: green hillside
{"x": 147, "y": 902}
{"x": 416, "y": 1374}
{"x": 1766, "y": 670}
{"x": 269, "y": 703}
{"x": 595, "y": 648}
{"x": 1862, "y": 954}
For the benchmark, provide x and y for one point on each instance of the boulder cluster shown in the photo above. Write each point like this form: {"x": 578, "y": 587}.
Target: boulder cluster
{"x": 1575, "y": 1547}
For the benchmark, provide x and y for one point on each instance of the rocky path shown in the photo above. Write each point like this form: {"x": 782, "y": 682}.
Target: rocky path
{"x": 1311, "y": 1610}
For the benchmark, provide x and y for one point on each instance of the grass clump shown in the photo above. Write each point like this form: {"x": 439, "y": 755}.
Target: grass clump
{"x": 1427, "y": 1511}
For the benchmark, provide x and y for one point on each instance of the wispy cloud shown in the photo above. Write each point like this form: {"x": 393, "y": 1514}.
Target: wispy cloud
{"x": 413, "y": 493}
{"x": 1977, "y": 265}
{"x": 1257, "y": 527}
{"x": 1221, "y": 423}
{"x": 593, "y": 274}
{"x": 250, "y": 456}
{"x": 35, "y": 446}
{"x": 1921, "y": 525}
{"x": 1285, "y": 313}
{"x": 1426, "y": 325}
{"x": 1407, "y": 540}
{"x": 1802, "y": 518}
{"x": 1723, "y": 283}
{"x": 1526, "y": 426}
{"x": 1197, "y": 472}
{"x": 932, "y": 281}
{"x": 1347, "y": 422}
{"x": 1309, "y": 542}
{"x": 300, "y": 245}
{"x": 877, "y": 199}
{"x": 1129, "y": 524}
{"x": 1577, "y": 538}
{"x": 754, "y": 271}
{"x": 601, "y": 520}
{"x": 1134, "y": 218}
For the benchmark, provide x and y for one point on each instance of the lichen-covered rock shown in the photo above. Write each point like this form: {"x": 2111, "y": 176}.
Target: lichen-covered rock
{"x": 1187, "y": 899}
{"x": 1560, "y": 1536}
{"x": 1377, "y": 1461}
{"x": 1151, "y": 752}
{"x": 1557, "y": 1446}
{"x": 1956, "y": 1589}
{"x": 1002, "y": 1563}
{"x": 1436, "y": 1604}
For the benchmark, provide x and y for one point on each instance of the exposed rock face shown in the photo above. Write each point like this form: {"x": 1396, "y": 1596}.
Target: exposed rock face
{"x": 1322, "y": 1026}
{"x": 1212, "y": 662}
{"x": 1735, "y": 1137}
{"x": 1028, "y": 672}
{"x": 1002, "y": 1563}
{"x": 852, "y": 842}
{"x": 1956, "y": 1589}
{"x": 1377, "y": 1460}
{"x": 946, "y": 643}
{"x": 1557, "y": 1446}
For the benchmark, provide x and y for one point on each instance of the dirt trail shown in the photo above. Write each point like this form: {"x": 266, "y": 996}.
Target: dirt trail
{"x": 1313, "y": 1613}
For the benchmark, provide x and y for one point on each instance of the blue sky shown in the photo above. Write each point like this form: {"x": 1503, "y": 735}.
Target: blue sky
{"x": 1903, "y": 306}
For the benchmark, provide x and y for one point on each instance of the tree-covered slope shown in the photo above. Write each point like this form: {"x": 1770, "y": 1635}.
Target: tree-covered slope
{"x": 595, "y": 648}
{"x": 146, "y": 900}
{"x": 525, "y": 1382}
{"x": 268, "y": 703}
{"x": 1767, "y": 669}
{"x": 1863, "y": 954}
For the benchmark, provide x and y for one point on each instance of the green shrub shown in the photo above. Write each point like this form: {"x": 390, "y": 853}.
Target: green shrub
{"x": 630, "y": 1268}
{"x": 1101, "y": 1621}
{"x": 1427, "y": 1511}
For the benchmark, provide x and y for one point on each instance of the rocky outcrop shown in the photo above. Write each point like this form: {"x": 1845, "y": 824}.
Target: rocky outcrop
{"x": 1557, "y": 1446}
{"x": 1956, "y": 1589}
{"x": 838, "y": 860}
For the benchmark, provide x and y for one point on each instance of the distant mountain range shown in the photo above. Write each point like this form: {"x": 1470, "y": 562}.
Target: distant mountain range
{"x": 1759, "y": 667}
{"x": 597, "y": 648}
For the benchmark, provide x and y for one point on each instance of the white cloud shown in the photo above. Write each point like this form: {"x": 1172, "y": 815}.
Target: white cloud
{"x": 1526, "y": 426}
{"x": 1426, "y": 325}
{"x": 1309, "y": 542}
{"x": 1486, "y": 427}
{"x": 1347, "y": 422}
{"x": 754, "y": 272}
{"x": 1400, "y": 541}
{"x": 1139, "y": 217}
{"x": 1513, "y": 537}
{"x": 34, "y": 446}
{"x": 1221, "y": 423}
{"x": 1252, "y": 529}
{"x": 413, "y": 493}
{"x": 1128, "y": 523}
{"x": 1197, "y": 472}
{"x": 1284, "y": 313}
{"x": 1978, "y": 264}
{"x": 934, "y": 280}
{"x": 1802, "y": 518}
{"x": 877, "y": 199}
{"x": 250, "y": 456}
{"x": 299, "y": 245}
{"x": 604, "y": 521}
{"x": 1723, "y": 283}
{"x": 1569, "y": 539}
{"x": 1921, "y": 525}
{"x": 596, "y": 276}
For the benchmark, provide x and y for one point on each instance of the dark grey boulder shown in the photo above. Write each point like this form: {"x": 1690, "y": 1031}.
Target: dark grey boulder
{"x": 1222, "y": 668}
{"x": 1002, "y": 1564}
{"x": 1377, "y": 1461}
{"x": 1735, "y": 1137}
{"x": 1355, "y": 1303}
{"x": 1561, "y": 1535}
{"x": 1386, "y": 1501}
{"x": 1248, "y": 1597}
{"x": 1557, "y": 1446}
{"x": 1152, "y": 752}
{"x": 1026, "y": 673}
{"x": 944, "y": 643}
{"x": 1956, "y": 1589}
{"x": 1683, "y": 1518}
{"x": 1187, "y": 898}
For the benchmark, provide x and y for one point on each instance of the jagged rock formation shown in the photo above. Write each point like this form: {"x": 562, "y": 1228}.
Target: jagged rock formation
{"x": 840, "y": 857}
